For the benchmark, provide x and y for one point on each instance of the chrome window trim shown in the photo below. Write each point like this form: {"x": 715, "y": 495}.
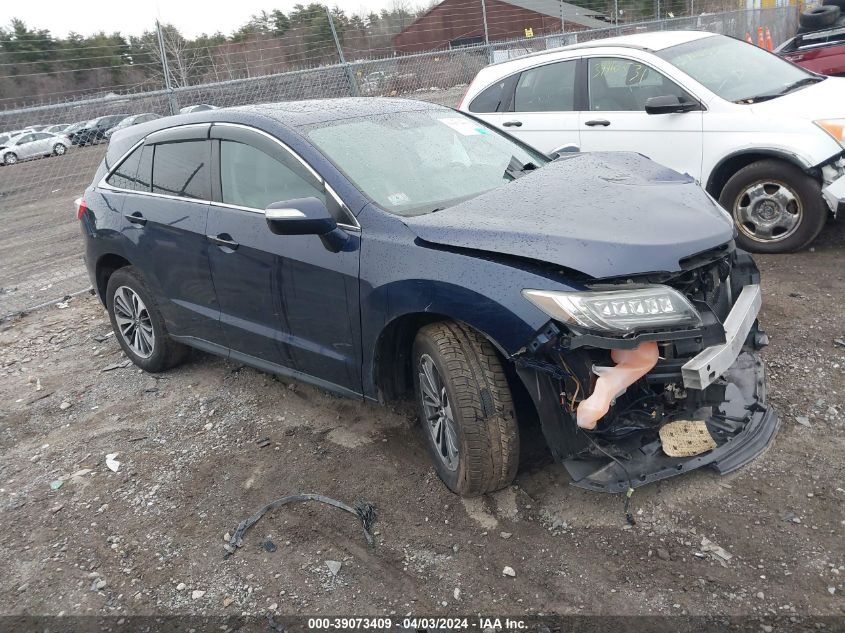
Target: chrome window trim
{"x": 104, "y": 185}
{"x": 283, "y": 214}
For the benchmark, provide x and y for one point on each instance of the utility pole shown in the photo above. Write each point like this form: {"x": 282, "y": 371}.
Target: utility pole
{"x": 486, "y": 32}
{"x": 350, "y": 76}
{"x": 171, "y": 96}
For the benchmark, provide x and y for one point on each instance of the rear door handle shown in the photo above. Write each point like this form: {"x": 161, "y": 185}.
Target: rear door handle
{"x": 223, "y": 239}
{"x": 136, "y": 218}
{"x": 595, "y": 122}
{"x": 512, "y": 124}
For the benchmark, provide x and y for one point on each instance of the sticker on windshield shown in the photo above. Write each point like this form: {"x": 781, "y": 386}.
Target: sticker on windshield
{"x": 398, "y": 198}
{"x": 467, "y": 127}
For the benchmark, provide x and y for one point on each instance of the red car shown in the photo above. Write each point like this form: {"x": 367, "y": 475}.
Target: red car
{"x": 821, "y": 50}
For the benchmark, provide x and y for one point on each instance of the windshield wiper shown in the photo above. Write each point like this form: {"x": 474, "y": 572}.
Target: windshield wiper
{"x": 515, "y": 169}
{"x": 774, "y": 95}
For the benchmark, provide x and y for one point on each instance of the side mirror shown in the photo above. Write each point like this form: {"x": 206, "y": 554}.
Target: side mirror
{"x": 570, "y": 148}
{"x": 305, "y": 216}
{"x": 669, "y": 104}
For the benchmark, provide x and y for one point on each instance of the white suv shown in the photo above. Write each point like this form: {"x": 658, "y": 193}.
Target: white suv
{"x": 762, "y": 135}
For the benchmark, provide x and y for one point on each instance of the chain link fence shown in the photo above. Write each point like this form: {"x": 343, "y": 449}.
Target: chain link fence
{"x": 40, "y": 253}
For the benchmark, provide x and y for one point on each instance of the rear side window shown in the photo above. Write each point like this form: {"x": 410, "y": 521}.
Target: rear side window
{"x": 549, "y": 88}
{"x": 254, "y": 179}
{"x": 181, "y": 169}
{"x": 124, "y": 176}
{"x": 494, "y": 98}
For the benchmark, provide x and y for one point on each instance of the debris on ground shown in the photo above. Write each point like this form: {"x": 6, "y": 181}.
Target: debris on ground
{"x": 803, "y": 420}
{"x": 509, "y": 571}
{"x": 365, "y": 512}
{"x": 112, "y": 463}
{"x": 114, "y": 366}
{"x": 268, "y": 546}
{"x": 334, "y": 566}
{"x": 56, "y": 484}
{"x": 716, "y": 552}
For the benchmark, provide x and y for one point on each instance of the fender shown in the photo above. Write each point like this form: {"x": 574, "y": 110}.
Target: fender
{"x": 717, "y": 179}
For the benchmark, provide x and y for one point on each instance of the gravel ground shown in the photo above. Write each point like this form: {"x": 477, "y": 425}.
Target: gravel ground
{"x": 204, "y": 446}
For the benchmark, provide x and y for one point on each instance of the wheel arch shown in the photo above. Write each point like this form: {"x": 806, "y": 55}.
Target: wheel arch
{"x": 392, "y": 373}
{"x": 732, "y": 163}
{"x": 105, "y": 267}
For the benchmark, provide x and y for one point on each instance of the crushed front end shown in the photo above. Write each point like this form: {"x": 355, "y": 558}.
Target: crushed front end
{"x": 683, "y": 389}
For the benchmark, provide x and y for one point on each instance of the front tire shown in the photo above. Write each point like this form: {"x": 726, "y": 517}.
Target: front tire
{"x": 777, "y": 208}
{"x": 10, "y": 158}
{"x": 465, "y": 408}
{"x": 59, "y": 149}
{"x": 138, "y": 324}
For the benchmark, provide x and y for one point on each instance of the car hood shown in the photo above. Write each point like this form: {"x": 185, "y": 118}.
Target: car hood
{"x": 605, "y": 214}
{"x": 822, "y": 100}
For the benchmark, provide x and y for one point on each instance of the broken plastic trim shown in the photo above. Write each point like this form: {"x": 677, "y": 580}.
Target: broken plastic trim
{"x": 366, "y": 513}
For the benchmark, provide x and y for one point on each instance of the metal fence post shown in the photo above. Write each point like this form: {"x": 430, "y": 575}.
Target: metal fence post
{"x": 486, "y": 32}
{"x": 171, "y": 96}
{"x": 350, "y": 76}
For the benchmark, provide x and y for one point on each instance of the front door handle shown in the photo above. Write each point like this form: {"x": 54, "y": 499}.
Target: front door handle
{"x": 223, "y": 239}
{"x": 136, "y": 218}
{"x": 512, "y": 124}
{"x": 595, "y": 122}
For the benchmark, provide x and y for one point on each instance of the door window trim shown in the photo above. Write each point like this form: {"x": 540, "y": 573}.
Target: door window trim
{"x": 105, "y": 185}
{"x": 585, "y": 87}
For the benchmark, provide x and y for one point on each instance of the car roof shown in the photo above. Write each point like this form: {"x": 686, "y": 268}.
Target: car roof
{"x": 653, "y": 41}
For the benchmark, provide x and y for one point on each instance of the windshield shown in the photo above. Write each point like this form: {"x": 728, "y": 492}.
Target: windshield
{"x": 422, "y": 161}
{"x": 735, "y": 70}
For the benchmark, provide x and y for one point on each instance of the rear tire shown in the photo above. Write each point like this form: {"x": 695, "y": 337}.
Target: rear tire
{"x": 473, "y": 394}
{"x": 59, "y": 149}
{"x": 777, "y": 208}
{"x": 138, "y": 324}
{"x": 820, "y": 17}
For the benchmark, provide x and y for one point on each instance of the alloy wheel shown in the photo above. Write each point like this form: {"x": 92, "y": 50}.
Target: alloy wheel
{"x": 133, "y": 321}
{"x": 437, "y": 409}
{"x": 10, "y": 159}
{"x": 59, "y": 149}
{"x": 768, "y": 211}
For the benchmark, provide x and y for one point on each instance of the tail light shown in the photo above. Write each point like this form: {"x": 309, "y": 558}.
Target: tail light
{"x": 81, "y": 207}
{"x": 463, "y": 96}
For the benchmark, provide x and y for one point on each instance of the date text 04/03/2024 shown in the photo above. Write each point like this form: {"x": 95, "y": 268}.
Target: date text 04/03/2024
{"x": 458, "y": 623}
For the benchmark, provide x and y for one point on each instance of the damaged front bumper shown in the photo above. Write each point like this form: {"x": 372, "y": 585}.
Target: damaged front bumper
{"x": 833, "y": 185}
{"x": 714, "y": 376}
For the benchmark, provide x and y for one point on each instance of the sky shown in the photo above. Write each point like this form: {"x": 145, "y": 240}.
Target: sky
{"x": 133, "y": 17}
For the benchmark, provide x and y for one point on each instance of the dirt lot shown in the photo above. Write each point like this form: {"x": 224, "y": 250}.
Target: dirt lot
{"x": 149, "y": 538}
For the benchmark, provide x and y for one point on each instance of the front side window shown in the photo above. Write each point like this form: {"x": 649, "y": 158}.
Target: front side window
{"x": 181, "y": 169}
{"x": 624, "y": 85}
{"x": 548, "y": 88}
{"x": 420, "y": 161}
{"x": 735, "y": 70}
{"x": 251, "y": 178}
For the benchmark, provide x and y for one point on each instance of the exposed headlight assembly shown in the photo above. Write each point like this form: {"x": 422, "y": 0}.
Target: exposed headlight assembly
{"x": 834, "y": 127}
{"x": 618, "y": 311}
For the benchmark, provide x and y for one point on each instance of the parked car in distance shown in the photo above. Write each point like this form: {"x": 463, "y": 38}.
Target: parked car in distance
{"x": 32, "y": 145}
{"x": 95, "y": 130}
{"x": 133, "y": 119}
{"x": 762, "y": 136}
{"x": 820, "y": 51}
{"x": 380, "y": 248}
{"x": 57, "y": 128}
{"x": 71, "y": 130}
{"x": 200, "y": 107}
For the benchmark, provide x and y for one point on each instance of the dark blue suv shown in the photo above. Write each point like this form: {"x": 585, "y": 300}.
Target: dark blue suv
{"x": 379, "y": 248}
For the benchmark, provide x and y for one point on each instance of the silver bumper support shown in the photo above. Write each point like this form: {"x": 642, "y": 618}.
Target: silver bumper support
{"x": 702, "y": 370}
